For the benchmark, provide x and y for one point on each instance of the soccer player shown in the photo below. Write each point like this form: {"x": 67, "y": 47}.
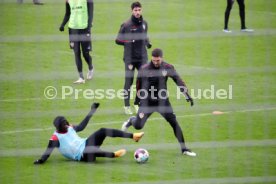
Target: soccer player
{"x": 79, "y": 13}
{"x": 152, "y": 92}
{"x": 36, "y": 2}
{"x": 133, "y": 36}
{"x": 242, "y": 16}
{"x": 71, "y": 146}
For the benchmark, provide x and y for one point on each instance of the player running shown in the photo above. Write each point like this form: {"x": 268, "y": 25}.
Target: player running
{"x": 152, "y": 92}
{"x": 71, "y": 146}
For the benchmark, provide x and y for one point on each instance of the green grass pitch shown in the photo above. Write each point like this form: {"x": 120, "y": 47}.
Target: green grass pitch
{"x": 238, "y": 146}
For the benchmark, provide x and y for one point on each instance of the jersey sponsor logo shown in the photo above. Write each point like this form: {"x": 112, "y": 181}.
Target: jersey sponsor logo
{"x": 77, "y": 7}
{"x": 141, "y": 115}
{"x": 164, "y": 73}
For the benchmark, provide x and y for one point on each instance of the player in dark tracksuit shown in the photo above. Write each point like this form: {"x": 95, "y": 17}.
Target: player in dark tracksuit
{"x": 242, "y": 16}
{"x": 36, "y": 2}
{"x": 133, "y": 36}
{"x": 152, "y": 92}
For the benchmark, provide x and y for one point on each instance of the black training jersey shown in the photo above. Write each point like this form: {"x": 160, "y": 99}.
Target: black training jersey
{"x": 133, "y": 36}
{"x": 153, "y": 81}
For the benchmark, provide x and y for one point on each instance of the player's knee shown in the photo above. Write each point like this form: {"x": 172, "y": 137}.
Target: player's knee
{"x": 228, "y": 9}
{"x": 170, "y": 117}
{"x": 137, "y": 126}
{"x": 229, "y": 6}
{"x": 242, "y": 7}
{"x": 86, "y": 54}
{"x": 77, "y": 53}
{"x": 101, "y": 131}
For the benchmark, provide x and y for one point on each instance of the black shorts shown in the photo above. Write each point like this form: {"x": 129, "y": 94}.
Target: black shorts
{"x": 79, "y": 37}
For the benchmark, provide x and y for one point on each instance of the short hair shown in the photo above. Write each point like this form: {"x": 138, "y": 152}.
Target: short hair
{"x": 157, "y": 52}
{"x": 58, "y": 122}
{"x": 136, "y": 4}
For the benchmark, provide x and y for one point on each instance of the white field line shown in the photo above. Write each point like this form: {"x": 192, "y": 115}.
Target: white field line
{"x": 228, "y": 180}
{"x": 150, "y": 119}
{"x": 154, "y": 146}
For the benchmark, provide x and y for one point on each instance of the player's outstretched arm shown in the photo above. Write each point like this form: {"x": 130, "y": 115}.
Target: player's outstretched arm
{"x": 85, "y": 121}
{"x": 51, "y": 146}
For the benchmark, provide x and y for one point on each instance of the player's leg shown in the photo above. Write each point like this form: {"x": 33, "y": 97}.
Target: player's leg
{"x": 91, "y": 152}
{"x": 171, "y": 119}
{"x": 129, "y": 76}
{"x": 97, "y": 138}
{"x": 242, "y": 13}
{"x": 86, "y": 48}
{"x": 74, "y": 39}
{"x": 94, "y": 141}
{"x": 78, "y": 62}
{"x": 242, "y": 16}
{"x": 138, "y": 121}
{"x": 37, "y": 2}
{"x": 227, "y": 14}
{"x": 136, "y": 101}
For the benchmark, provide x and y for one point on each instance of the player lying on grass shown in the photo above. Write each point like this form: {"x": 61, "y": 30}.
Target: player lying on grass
{"x": 70, "y": 145}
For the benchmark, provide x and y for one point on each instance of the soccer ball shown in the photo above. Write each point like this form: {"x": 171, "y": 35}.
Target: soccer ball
{"x": 141, "y": 155}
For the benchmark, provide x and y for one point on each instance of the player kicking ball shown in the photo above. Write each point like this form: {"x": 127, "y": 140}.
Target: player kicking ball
{"x": 153, "y": 96}
{"x": 73, "y": 147}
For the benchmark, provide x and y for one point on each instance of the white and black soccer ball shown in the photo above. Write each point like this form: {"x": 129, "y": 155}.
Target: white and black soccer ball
{"x": 141, "y": 155}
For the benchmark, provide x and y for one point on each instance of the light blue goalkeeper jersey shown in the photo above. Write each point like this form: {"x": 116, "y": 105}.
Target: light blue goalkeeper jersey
{"x": 70, "y": 144}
